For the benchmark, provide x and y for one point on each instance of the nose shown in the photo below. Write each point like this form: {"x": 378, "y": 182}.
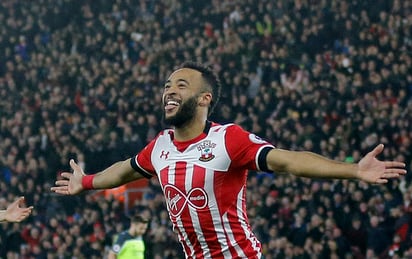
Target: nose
{"x": 170, "y": 88}
{"x": 168, "y": 93}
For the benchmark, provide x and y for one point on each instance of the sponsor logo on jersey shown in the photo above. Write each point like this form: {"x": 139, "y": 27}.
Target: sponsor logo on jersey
{"x": 206, "y": 150}
{"x": 164, "y": 155}
{"x": 176, "y": 200}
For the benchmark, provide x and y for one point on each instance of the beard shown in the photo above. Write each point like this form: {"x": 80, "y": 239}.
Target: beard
{"x": 185, "y": 113}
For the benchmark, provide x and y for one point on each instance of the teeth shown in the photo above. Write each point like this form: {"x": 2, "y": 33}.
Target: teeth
{"x": 172, "y": 103}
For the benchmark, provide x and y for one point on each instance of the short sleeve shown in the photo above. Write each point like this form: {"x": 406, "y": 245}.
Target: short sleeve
{"x": 245, "y": 149}
{"x": 142, "y": 163}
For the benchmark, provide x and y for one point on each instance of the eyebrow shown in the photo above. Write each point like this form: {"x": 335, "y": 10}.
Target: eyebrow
{"x": 178, "y": 81}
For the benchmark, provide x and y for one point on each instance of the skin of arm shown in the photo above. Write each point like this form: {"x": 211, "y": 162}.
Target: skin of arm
{"x": 115, "y": 175}
{"x": 311, "y": 165}
{"x": 14, "y": 213}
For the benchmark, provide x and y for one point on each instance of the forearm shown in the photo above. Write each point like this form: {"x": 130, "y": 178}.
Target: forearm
{"x": 117, "y": 174}
{"x": 308, "y": 164}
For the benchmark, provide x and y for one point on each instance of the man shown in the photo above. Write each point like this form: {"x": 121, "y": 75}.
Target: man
{"x": 129, "y": 243}
{"x": 202, "y": 167}
{"x": 14, "y": 213}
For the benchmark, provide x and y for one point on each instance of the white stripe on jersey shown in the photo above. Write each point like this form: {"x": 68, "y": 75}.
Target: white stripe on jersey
{"x": 242, "y": 220}
{"x": 170, "y": 174}
{"x": 232, "y": 239}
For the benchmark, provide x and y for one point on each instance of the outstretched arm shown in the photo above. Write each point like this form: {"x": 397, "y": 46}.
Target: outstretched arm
{"x": 117, "y": 174}
{"x": 307, "y": 164}
{"x": 14, "y": 213}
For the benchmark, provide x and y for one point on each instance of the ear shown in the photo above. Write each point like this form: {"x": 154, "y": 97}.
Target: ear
{"x": 205, "y": 99}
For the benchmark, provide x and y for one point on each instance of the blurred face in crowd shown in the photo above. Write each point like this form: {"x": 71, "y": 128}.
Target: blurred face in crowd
{"x": 181, "y": 96}
{"x": 138, "y": 228}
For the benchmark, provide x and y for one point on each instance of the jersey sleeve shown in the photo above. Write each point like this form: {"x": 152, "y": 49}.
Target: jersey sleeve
{"x": 247, "y": 150}
{"x": 118, "y": 241}
{"x": 142, "y": 162}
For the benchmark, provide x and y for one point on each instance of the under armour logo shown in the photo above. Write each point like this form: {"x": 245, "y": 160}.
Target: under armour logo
{"x": 176, "y": 200}
{"x": 164, "y": 154}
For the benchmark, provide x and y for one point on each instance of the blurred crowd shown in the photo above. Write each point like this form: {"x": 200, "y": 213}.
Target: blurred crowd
{"x": 83, "y": 79}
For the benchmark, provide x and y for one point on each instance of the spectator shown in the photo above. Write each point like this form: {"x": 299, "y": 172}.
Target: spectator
{"x": 377, "y": 238}
{"x": 130, "y": 243}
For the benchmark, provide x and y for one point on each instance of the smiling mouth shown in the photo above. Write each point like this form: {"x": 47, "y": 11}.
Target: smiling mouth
{"x": 170, "y": 105}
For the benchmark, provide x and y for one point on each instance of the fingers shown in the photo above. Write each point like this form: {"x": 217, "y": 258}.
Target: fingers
{"x": 395, "y": 164}
{"x": 21, "y": 202}
{"x": 390, "y": 175}
{"x": 24, "y": 214}
{"x": 27, "y": 211}
{"x": 377, "y": 150}
{"x": 381, "y": 181}
{"x": 18, "y": 201}
{"x": 74, "y": 165}
{"x": 66, "y": 175}
{"x": 60, "y": 189}
{"x": 62, "y": 182}
{"x": 395, "y": 171}
{"x": 62, "y": 185}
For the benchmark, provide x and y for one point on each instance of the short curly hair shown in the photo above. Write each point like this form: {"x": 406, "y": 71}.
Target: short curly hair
{"x": 211, "y": 79}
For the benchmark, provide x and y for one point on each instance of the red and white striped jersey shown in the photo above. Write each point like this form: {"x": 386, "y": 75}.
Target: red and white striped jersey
{"x": 204, "y": 184}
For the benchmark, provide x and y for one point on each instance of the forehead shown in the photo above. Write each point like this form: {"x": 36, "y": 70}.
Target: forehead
{"x": 140, "y": 222}
{"x": 191, "y": 76}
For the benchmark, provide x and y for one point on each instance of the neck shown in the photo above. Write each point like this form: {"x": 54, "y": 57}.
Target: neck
{"x": 190, "y": 130}
{"x": 133, "y": 233}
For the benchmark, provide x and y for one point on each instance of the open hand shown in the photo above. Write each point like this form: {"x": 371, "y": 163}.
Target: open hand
{"x": 71, "y": 183}
{"x": 15, "y": 213}
{"x": 372, "y": 170}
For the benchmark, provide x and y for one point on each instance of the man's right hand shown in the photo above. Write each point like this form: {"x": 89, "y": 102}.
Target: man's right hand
{"x": 71, "y": 183}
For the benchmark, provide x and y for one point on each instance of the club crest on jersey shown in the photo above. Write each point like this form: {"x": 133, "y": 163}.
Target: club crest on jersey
{"x": 206, "y": 150}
